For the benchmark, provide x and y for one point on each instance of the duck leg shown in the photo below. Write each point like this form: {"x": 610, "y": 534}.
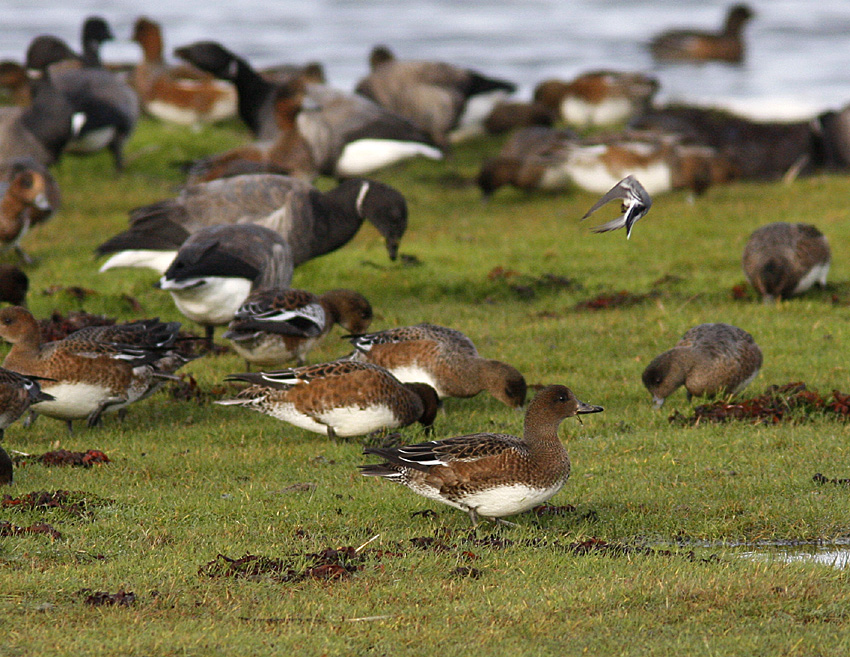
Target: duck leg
{"x": 94, "y": 417}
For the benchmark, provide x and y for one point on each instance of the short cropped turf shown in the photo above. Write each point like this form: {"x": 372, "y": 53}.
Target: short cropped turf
{"x": 218, "y": 531}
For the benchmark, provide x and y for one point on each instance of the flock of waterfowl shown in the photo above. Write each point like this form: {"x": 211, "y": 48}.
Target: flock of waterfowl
{"x": 227, "y": 244}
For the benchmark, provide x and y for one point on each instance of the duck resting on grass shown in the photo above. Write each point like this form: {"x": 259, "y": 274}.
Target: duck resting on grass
{"x": 490, "y": 475}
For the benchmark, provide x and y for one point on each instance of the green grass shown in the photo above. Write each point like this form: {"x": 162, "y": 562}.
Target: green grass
{"x": 190, "y": 481}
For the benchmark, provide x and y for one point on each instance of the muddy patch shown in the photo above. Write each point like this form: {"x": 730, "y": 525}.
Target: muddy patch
{"x": 791, "y": 402}
{"x": 104, "y": 599}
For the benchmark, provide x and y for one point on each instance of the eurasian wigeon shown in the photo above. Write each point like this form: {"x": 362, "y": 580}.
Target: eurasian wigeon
{"x": 444, "y": 358}
{"x": 490, "y": 475}
{"x": 710, "y": 359}
{"x": 340, "y": 398}
{"x": 276, "y": 325}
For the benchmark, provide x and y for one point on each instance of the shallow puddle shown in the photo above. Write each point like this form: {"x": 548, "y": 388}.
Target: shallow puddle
{"x": 835, "y": 554}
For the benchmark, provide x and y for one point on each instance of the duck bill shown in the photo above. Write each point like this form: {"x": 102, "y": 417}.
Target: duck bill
{"x": 584, "y": 408}
{"x": 657, "y": 402}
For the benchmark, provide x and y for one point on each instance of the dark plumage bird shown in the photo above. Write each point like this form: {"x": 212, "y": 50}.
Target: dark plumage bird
{"x": 347, "y": 134}
{"x": 782, "y": 259}
{"x": 218, "y": 267}
{"x": 275, "y": 325}
{"x": 710, "y": 359}
{"x": 340, "y": 398}
{"x": 636, "y": 203}
{"x": 435, "y": 96}
{"x": 14, "y": 285}
{"x": 490, "y": 475}
{"x": 697, "y": 45}
{"x": 110, "y": 106}
{"x": 310, "y": 221}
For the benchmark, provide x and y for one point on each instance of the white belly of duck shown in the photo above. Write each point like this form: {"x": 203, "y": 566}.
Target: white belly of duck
{"x": 269, "y": 349}
{"x": 577, "y": 111}
{"x": 497, "y": 501}
{"x": 221, "y": 109}
{"x": 366, "y": 155}
{"x": 74, "y": 401}
{"x": 593, "y": 175}
{"x": 211, "y": 300}
{"x": 346, "y": 421}
{"x": 416, "y": 374}
{"x": 159, "y": 261}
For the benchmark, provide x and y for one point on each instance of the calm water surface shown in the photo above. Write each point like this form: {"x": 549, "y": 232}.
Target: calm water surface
{"x": 798, "y": 60}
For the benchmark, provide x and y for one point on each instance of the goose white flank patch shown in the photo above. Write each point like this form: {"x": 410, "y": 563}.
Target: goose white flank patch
{"x": 636, "y": 203}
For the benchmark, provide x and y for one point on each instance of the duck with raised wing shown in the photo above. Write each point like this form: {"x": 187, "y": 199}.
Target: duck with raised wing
{"x": 17, "y": 394}
{"x": 449, "y": 102}
{"x": 176, "y": 94}
{"x": 782, "y": 260}
{"x": 218, "y": 267}
{"x": 310, "y": 221}
{"x": 444, "y": 358}
{"x": 636, "y": 203}
{"x": 727, "y": 45}
{"x": 348, "y": 134}
{"x": 341, "y": 398}
{"x": 86, "y": 375}
{"x": 490, "y": 475}
{"x": 276, "y": 325}
{"x": 710, "y": 359}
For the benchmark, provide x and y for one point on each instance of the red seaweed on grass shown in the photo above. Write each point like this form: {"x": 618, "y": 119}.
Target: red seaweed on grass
{"x": 76, "y": 503}
{"x": 80, "y": 459}
{"x": 792, "y": 402}
{"x": 621, "y": 299}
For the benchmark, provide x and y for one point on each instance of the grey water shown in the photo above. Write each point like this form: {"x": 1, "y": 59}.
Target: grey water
{"x": 798, "y": 59}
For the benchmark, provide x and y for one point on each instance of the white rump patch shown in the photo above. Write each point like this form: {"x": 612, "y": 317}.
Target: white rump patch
{"x": 210, "y": 300}
{"x": 366, "y": 155}
{"x": 143, "y": 258}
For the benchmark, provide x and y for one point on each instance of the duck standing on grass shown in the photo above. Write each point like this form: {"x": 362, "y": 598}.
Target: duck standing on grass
{"x": 86, "y": 375}
{"x": 636, "y": 203}
{"x": 341, "y": 398}
{"x": 490, "y": 475}
{"x": 710, "y": 359}
{"x": 783, "y": 259}
{"x": 275, "y": 325}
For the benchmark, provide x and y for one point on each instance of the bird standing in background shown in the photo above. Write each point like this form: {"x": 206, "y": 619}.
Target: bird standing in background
{"x": 636, "y": 203}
